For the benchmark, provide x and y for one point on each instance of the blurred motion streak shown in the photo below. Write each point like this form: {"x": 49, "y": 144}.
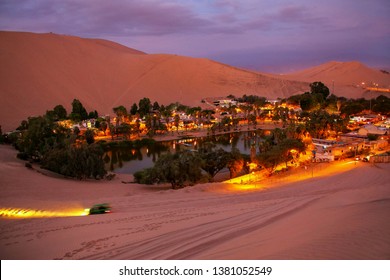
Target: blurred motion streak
{"x": 14, "y": 213}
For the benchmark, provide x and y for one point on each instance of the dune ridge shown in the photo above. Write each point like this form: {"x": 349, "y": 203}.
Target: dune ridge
{"x": 347, "y": 79}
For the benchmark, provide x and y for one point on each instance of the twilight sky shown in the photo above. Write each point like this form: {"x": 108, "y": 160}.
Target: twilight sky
{"x": 267, "y": 35}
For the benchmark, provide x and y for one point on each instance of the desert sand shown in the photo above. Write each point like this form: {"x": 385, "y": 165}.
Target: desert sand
{"x": 40, "y": 71}
{"x": 309, "y": 215}
{"x": 349, "y": 79}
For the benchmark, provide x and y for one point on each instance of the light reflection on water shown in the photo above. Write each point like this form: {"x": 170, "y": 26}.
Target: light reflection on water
{"x": 126, "y": 160}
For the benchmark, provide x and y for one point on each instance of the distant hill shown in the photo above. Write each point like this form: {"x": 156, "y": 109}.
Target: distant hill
{"x": 349, "y": 79}
{"x": 40, "y": 71}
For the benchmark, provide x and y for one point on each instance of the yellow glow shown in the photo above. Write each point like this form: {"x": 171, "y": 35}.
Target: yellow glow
{"x": 252, "y": 165}
{"x": 14, "y": 213}
{"x": 246, "y": 187}
{"x": 257, "y": 181}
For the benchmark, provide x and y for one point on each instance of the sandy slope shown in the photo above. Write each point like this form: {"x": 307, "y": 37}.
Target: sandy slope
{"x": 40, "y": 71}
{"x": 345, "y": 78}
{"x": 344, "y": 216}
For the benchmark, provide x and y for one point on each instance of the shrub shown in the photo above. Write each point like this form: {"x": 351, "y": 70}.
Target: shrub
{"x": 372, "y": 137}
{"x": 22, "y": 156}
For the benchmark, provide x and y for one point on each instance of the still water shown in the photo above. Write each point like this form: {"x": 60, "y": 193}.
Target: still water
{"x": 130, "y": 160}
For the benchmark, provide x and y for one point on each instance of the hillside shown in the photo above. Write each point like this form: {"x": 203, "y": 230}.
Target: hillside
{"x": 347, "y": 78}
{"x": 40, "y": 71}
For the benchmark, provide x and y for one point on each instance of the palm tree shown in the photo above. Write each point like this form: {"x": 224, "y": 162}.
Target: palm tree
{"x": 120, "y": 112}
{"x": 166, "y": 114}
{"x": 177, "y": 122}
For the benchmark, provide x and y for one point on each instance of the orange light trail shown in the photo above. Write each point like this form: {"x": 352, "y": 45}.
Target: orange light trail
{"x": 19, "y": 213}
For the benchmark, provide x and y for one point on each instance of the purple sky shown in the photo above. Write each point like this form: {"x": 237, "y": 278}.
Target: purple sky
{"x": 267, "y": 35}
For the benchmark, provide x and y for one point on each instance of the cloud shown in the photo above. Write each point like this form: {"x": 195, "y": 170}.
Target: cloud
{"x": 146, "y": 18}
{"x": 107, "y": 17}
{"x": 228, "y": 29}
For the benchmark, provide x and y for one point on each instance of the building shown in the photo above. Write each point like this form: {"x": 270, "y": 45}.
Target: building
{"x": 372, "y": 129}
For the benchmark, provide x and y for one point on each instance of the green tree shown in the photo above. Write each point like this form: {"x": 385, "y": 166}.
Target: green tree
{"x": 81, "y": 162}
{"x": 177, "y": 121}
{"x": 213, "y": 160}
{"x": 294, "y": 99}
{"x": 93, "y": 115}
{"x": 97, "y": 123}
{"x": 178, "y": 169}
{"x": 146, "y": 176}
{"x": 278, "y": 135}
{"x": 166, "y": 113}
{"x": 352, "y": 107}
{"x": 252, "y": 99}
{"x": 144, "y": 107}
{"x": 23, "y": 125}
{"x": 290, "y": 149}
{"x": 78, "y": 113}
{"x": 246, "y": 109}
{"x": 194, "y": 112}
{"x": 308, "y": 102}
{"x": 281, "y": 113}
{"x": 156, "y": 106}
{"x": 51, "y": 115}
{"x": 382, "y": 105}
{"x": 149, "y": 124}
{"x": 60, "y": 112}
{"x": 320, "y": 123}
{"x": 269, "y": 160}
{"x": 125, "y": 129}
{"x": 76, "y": 131}
{"x": 235, "y": 162}
{"x": 89, "y": 136}
{"x": 103, "y": 126}
{"x": 112, "y": 129}
{"x": 226, "y": 122}
{"x": 41, "y": 136}
{"x": 320, "y": 88}
{"x": 134, "y": 109}
{"x": 120, "y": 112}
{"x": 137, "y": 127}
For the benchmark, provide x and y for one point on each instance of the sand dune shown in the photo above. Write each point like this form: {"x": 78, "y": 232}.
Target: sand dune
{"x": 40, "y": 71}
{"x": 345, "y": 78}
{"x": 344, "y": 216}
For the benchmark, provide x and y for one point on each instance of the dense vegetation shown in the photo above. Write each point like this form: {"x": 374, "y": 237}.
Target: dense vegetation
{"x": 319, "y": 98}
{"x": 42, "y": 139}
{"x": 187, "y": 168}
{"x": 74, "y": 153}
{"x": 77, "y": 161}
